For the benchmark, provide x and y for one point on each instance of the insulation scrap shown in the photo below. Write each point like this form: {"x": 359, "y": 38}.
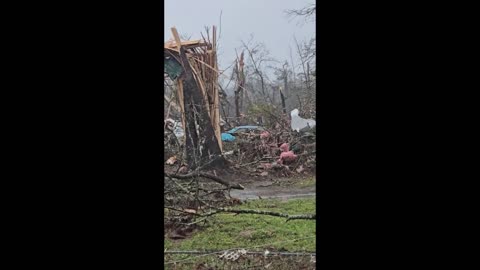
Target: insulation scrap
{"x": 264, "y": 135}
{"x": 284, "y": 147}
{"x": 172, "y": 160}
{"x": 287, "y": 157}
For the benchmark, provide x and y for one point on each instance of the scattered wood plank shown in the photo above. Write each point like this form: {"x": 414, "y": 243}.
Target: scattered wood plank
{"x": 190, "y": 43}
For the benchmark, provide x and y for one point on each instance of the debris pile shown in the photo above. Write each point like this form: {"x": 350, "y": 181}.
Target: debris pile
{"x": 278, "y": 144}
{"x": 277, "y": 152}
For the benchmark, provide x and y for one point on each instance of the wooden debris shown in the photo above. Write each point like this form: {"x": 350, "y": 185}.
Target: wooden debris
{"x": 202, "y": 59}
{"x": 173, "y": 44}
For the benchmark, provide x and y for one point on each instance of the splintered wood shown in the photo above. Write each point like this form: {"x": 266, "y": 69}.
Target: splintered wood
{"x": 202, "y": 57}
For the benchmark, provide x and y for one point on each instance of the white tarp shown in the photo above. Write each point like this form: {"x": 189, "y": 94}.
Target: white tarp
{"x": 298, "y": 123}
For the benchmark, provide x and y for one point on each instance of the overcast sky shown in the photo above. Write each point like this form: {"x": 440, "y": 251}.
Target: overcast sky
{"x": 265, "y": 19}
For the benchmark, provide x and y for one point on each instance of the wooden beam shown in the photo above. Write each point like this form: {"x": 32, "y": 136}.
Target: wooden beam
{"x": 181, "y": 101}
{"x": 192, "y": 43}
{"x": 176, "y": 37}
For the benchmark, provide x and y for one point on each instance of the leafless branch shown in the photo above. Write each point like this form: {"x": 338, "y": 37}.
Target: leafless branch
{"x": 308, "y": 12}
{"x": 261, "y": 212}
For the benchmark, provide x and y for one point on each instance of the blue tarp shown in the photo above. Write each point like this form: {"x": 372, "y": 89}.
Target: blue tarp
{"x": 233, "y": 130}
{"x": 226, "y": 137}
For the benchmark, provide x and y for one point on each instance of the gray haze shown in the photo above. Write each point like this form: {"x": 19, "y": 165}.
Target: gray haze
{"x": 265, "y": 19}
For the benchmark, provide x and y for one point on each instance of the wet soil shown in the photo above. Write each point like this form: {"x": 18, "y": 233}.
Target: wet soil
{"x": 266, "y": 189}
{"x": 269, "y": 186}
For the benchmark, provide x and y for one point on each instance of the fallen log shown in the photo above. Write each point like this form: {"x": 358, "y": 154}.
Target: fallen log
{"x": 208, "y": 176}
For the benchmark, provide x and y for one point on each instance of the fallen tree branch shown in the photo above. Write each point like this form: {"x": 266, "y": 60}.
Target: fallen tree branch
{"x": 260, "y": 212}
{"x": 208, "y": 176}
{"x": 180, "y": 210}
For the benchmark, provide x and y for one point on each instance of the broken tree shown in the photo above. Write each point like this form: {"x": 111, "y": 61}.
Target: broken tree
{"x": 198, "y": 99}
{"x": 240, "y": 85}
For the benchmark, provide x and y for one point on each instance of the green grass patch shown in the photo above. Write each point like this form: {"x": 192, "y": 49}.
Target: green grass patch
{"x": 309, "y": 182}
{"x": 226, "y": 230}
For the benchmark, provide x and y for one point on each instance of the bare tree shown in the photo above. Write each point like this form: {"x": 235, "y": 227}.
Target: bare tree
{"x": 304, "y": 64}
{"x": 258, "y": 56}
{"x": 240, "y": 84}
{"x": 308, "y": 12}
{"x": 306, "y": 51}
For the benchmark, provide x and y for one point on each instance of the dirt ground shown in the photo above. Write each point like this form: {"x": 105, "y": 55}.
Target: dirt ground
{"x": 264, "y": 189}
{"x": 269, "y": 186}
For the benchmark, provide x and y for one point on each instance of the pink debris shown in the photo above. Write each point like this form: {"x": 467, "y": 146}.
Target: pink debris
{"x": 183, "y": 170}
{"x": 287, "y": 157}
{"x": 264, "y": 135}
{"x": 267, "y": 166}
{"x": 284, "y": 147}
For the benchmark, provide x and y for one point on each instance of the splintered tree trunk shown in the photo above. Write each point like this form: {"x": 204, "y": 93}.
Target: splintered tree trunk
{"x": 201, "y": 143}
{"x": 285, "y": 90}
{"x": 237, "y": 103}
{"x": 283, "y": 102}
{"x": 241, "y": 84}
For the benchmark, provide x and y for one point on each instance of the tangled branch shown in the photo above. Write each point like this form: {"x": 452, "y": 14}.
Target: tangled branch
{"x": 306, "y": 12}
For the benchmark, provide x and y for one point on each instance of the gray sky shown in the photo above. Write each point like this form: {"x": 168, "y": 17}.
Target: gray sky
{"x": 265, "y": 19}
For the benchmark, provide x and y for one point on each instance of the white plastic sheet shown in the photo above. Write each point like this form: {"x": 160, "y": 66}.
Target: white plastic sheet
{"x": 299, "y": 123}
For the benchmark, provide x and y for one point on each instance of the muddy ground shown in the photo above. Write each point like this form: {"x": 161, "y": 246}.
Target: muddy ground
{"x": 269, "y": 186}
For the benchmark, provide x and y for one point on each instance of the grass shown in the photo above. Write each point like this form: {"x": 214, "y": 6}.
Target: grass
{"x": 254, "y": 233}
{"x": 227, "y": 230}
{"x": 309, "y": 182}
